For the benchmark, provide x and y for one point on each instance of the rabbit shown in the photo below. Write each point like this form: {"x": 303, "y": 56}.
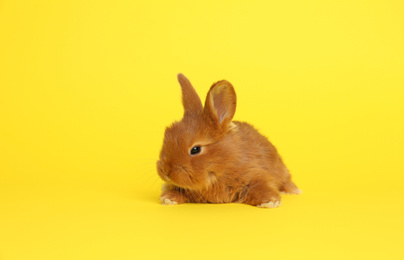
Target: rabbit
{"x": 208, "y": 158}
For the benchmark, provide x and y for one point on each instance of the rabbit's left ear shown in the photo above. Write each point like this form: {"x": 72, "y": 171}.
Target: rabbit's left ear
{"x": 220, "y": 104}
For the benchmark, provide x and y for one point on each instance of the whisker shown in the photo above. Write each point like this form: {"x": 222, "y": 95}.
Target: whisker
{"x": 153, "y": 183}
{"x": 191, "y": 194}
{"x": 200, "y": 196}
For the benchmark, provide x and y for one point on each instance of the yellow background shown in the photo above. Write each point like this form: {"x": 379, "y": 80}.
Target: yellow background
{"x": 87, "y": 88}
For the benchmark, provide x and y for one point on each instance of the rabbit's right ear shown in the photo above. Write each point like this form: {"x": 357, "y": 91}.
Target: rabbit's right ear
{"x": 190, "y": 99}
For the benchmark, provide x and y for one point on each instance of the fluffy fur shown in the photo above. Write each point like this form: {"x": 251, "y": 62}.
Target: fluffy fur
{"x": 236, "y": 163}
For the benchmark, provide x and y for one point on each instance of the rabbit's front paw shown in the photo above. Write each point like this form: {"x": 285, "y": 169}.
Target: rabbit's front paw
{"x": 271, "y": 204}
{"x": 166, "y": 201}
{"x": 172, "y": 198}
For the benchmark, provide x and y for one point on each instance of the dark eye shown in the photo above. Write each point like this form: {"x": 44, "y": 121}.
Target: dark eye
{"x": 195, "y": 150}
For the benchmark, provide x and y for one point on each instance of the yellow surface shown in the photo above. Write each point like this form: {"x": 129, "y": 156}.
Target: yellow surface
{"x": 87, "y": 88}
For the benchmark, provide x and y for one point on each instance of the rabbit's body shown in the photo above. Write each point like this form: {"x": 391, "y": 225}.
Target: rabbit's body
{"x": 207, "y": 158}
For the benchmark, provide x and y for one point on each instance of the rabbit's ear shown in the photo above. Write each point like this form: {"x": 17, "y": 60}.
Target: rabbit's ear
{"x": 220, "y": 104}
{"x": 190, "y": 99}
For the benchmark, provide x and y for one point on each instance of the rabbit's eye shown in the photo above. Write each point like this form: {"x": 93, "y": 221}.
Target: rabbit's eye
{"x": 195, "y": 150}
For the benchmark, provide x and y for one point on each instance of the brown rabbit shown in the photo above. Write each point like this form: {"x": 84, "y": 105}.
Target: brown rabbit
{"x": 208, "y": 158}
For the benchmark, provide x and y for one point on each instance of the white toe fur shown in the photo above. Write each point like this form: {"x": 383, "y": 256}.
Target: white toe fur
{"x": 168, "y": 201}
{"x": 271, "y": 204}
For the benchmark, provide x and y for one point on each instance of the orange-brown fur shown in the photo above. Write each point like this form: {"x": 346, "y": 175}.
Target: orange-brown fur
{"x": 236, "y": 163}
